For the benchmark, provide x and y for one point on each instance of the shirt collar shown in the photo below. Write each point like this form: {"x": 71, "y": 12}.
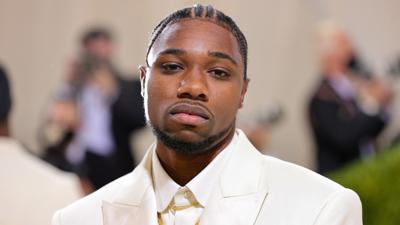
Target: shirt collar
{"x": 165, "y": 187}
{"x": 201, "y": 185}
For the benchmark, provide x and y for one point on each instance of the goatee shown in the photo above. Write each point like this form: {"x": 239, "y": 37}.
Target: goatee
{"x": 190, "y": 148}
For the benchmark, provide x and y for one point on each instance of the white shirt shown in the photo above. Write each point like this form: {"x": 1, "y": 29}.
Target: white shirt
{"x": 195, "y": 193}
{"x": 95, "y": 132}
{"x": 343, "y": 87}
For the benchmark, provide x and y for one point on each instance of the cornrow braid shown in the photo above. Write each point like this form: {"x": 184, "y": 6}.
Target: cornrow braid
{"x": 204, "y": 12}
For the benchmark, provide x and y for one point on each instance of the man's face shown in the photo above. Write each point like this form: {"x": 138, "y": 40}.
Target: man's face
{"x": 194, "y": 84}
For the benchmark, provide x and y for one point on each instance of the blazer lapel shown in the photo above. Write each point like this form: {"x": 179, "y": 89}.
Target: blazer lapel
{"x": 135, "y": 202}
{"x": 242, "y": 188}
{"x": 118, "y": 214}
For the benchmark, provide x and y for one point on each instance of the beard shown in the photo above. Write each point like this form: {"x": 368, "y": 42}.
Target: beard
{"x": 190, "y": 148}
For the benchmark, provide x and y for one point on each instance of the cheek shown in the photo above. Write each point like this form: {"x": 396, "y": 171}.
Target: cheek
{"x": 157, "y": 97}
{"x": 227, "y": 103}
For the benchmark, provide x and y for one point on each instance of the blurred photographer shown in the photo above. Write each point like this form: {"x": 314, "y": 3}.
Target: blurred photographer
{"x": 93, "y": 116}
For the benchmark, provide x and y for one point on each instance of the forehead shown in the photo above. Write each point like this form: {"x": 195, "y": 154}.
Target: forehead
{"x": 197, "y": 35}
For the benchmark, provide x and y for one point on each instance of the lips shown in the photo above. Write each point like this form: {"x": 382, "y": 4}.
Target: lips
{"x": 190, "y": 114}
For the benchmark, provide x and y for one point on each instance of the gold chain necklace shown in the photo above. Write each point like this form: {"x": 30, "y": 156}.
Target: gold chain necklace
{"x": 161, "y": 222}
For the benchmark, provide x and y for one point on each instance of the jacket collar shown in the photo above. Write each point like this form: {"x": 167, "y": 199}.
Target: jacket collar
{"x": 135, "y": 201}
{"x": 242, "y": 188}
{"x": 242, "y": 173}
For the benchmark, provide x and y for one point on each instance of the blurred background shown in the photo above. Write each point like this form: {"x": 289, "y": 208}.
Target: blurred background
{"x": 39, "y": 39}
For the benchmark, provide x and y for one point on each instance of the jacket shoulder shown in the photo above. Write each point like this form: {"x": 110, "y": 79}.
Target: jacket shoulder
{"x": 88, "y": 210}
{"x": 294, "y": 176}
{"x": 128, "y": 190}
{"x": 305, "y": 195}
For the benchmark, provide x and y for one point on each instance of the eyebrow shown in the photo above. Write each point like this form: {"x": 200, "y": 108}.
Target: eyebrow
{"x": 223, "y": 56}
{"x": 173, "y": 51}
{"x": 181, "y": 52}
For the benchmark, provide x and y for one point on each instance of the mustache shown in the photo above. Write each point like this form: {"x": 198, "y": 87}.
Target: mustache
{"x": 190, "y": 107}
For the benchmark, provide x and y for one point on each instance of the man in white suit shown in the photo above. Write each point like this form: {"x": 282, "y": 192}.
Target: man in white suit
{"x": 201, "y": 169}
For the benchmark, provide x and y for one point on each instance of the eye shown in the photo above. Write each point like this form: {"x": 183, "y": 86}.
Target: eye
{"x": 170, "y": 68}
{"x": 219, "y": 74}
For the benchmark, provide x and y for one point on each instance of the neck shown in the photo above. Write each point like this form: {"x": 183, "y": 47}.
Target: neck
{"x": 182, "y": 168}
{"x": 4, "y": 131}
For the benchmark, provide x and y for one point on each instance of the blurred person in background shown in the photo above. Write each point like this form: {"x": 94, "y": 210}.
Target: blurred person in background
{"x": 347, "y": 111}
{"x": 94, "y": 115}
{"x": 31, "y": 190}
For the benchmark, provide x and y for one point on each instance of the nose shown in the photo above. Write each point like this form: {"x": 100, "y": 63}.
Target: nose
{"x": 193, "y": 85}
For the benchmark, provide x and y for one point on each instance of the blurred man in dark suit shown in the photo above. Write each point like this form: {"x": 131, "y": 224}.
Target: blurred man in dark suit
{"x": 344, "y": 129}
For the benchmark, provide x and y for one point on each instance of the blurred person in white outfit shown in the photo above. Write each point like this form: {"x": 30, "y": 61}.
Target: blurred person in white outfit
{"x": 30, "y": 190}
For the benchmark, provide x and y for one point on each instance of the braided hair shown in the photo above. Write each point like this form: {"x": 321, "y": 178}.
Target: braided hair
{"x": 203, "y": 12}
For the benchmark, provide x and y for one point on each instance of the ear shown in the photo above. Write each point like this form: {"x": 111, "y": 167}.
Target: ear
{"x": 143, "y": 71}
{"x": 243, "y": 92}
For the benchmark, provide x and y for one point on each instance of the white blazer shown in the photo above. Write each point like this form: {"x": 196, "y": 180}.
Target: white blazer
{"x": 252, "y": 189}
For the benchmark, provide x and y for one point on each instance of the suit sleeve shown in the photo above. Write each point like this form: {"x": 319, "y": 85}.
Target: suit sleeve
{"x": 343, "y": 208}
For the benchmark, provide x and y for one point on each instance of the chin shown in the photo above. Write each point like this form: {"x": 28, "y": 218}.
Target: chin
{"x": 189, "y": 142}
{"x": 190, "y": 136}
